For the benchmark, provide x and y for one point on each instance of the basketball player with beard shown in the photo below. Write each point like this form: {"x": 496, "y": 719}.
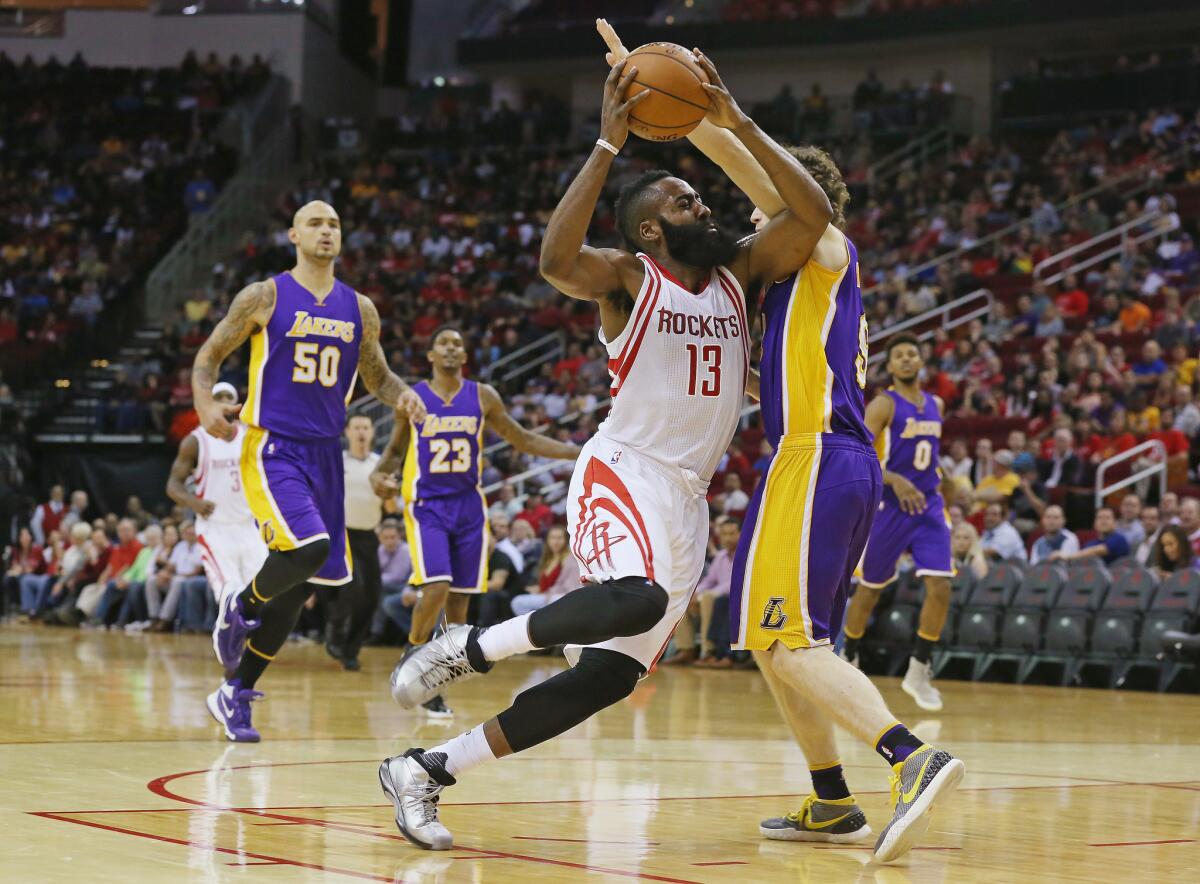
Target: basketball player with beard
{"x": 673, "y": 319}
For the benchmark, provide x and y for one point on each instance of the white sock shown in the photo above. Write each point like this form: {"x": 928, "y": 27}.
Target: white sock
{"x": 466, "y": 751}
{"x": 507, "y": 638}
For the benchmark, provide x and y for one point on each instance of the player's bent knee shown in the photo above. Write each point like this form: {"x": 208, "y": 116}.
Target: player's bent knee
{"x": 310, "y": 557}
{"x": 637, "y": 606}
{"x": 598, "y": 680}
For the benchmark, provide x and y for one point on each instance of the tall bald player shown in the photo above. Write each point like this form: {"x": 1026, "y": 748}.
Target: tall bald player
{"x": 311, "y": 336}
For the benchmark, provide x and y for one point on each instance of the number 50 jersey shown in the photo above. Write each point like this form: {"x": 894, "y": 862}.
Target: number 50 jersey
{"x": 444, "y": 451}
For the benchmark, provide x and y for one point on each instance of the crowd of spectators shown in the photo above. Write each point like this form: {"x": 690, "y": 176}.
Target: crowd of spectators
{"x": 812, "y": 10}
{"x": 99, "y": 168}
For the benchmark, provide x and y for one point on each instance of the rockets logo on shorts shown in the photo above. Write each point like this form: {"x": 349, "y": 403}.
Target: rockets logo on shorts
{"x": 602, "y": 544}
{"x": 773, "y": 616}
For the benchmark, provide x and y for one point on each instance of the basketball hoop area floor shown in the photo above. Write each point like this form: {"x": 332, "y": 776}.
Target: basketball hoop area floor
{"x": 113, "y": 771}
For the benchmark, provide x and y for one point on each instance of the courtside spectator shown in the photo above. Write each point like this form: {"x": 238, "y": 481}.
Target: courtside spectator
{"x": 1056, "y": 537}
{"x": 1000, "y": 540}
{"x": 1108, "y": 546}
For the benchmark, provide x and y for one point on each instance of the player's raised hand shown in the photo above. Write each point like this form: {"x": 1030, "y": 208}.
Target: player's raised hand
{"x": 384, "y": 485}
{"x": 616, "y": 49}
{"x": 411, "y": 406}
{"x": 216, "y": 418}
{"x": 723, "y": 111}
{"x": 614, "y": 116}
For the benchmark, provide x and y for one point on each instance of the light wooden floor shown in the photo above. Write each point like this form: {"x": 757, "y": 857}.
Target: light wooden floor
{"x": 113, "y": 771}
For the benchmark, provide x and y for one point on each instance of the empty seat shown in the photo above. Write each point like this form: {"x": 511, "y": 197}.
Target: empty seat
{"x": 961, "y": 588}
{"x": 998, "y": 586}
{"x": 1040, "y": 587}
{"x": 1086, "y": 589}
{"x": 1132, "y": 590}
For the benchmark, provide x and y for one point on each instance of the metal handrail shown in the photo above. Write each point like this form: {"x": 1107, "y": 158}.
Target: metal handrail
{"x": 1152, "y": 219}
{"x": 919, "y": 149}
{"x": 1144, "y": 172}
{"x": 241, "y": 205}
{"x": 490, "y": 370}
{"x": 944, "y": 311}
{"x": 1155, "y": 445}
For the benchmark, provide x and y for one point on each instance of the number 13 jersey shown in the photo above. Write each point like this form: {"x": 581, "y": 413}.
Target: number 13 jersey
{"x": 444, "y": 451}
{"x": 814, "y": 353}
{"x": 679, "y": 370}
{"x": 303, "y": 363}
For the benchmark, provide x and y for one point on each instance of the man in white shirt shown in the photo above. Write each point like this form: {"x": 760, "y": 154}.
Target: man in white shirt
{"x": 351, "y": 607}
{"x": 1152, "y": 527}
{"x": 1000, "y": 539}
{"x": 1057, "y": 537}
{"x": 735, "y": 499}
{"x": 1129, "y": 523}
{"x": 504, "y": 543}
{"x": 1189, "y": 520}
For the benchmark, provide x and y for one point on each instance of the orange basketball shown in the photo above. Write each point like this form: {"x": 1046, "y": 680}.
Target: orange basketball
{"x": 677, "y": 102}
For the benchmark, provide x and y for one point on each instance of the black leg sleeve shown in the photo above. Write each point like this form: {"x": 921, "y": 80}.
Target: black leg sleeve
{"x": 281, "y": 571}
{"x": 278, "y": 620}
{"x": 364, "y": 546}
{"x": 600, "y": 679}
{"x": 597, "y": 612}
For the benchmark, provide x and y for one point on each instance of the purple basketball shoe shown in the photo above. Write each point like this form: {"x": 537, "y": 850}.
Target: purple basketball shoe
{"x": 230, "y": 631}
{"x": 230, "y": 706}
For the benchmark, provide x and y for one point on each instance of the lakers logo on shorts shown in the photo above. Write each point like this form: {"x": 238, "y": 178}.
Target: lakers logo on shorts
{"x": 773, "y": 616}
{"x": 268, "y": 532}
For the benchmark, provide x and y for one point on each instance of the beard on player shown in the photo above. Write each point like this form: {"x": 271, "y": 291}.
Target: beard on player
{"x": 699, "y": 244}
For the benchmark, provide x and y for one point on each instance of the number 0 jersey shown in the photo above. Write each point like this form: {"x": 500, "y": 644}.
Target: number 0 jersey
{"x": 911, "y": 444}
{"x": 444, "y": 452}
{"x": 304, "y": 361}
{"x": 814, "y": 353}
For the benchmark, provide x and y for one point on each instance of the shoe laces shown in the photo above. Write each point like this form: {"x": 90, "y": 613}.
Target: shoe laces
{"x": 241, "y": 705}
{"x": 803, "y": 813}
{"x": 426, "y": 795}
{"x": 894, "y": 784}
{"x": 447, "y": 664}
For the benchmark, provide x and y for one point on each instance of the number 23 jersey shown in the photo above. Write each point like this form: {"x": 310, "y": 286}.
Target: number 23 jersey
{"x": 444, "y": 451}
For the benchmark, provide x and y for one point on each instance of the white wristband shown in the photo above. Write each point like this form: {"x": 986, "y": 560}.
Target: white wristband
{"x": 600, "y": 142}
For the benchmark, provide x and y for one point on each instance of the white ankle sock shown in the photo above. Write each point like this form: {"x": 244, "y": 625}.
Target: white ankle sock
{"x": 466, "y": 751}
{"x": 507, "y": 638}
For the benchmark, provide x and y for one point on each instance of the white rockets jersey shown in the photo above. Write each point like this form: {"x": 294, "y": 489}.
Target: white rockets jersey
{"x": 679, "y": 370}
{"x": 218, "y": 478}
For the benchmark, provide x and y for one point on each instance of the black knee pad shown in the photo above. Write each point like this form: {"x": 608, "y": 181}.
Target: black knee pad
{"x": 600, "y": 679}
{"x": 309, "y": 558}
{"x": 638, "y": 605}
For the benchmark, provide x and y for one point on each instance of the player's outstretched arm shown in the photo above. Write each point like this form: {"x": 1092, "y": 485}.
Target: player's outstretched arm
{"x": 719, "y": 145}
{"x": 572, "y": 267}
{"x": 383, "y": 477}
{"x": 250, "y": 311}
{"x": 388, "y": 387}
{"x": 184, "y": 465}
{"x": 787, "y": 242}
{"x": 498, "y": 419}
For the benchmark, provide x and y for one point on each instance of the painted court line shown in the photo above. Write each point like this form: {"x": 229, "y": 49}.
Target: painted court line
{"x": 1142, "y": 843}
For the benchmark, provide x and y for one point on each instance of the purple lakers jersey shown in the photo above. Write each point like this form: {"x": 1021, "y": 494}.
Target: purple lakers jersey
{"x": 814, "y": 353}
{"x": 444, "y": 452}
{"x": 911, "y": 445}
{"x": 304, "y": 361}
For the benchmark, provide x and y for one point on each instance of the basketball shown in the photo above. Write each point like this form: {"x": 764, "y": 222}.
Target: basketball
{"x": 677, "y": 102}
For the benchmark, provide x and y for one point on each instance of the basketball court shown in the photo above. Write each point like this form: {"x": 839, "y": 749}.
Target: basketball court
{"x": 115, "y": 772}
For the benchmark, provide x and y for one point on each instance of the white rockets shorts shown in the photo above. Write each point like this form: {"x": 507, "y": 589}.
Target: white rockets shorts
{"x": 629, "y": 515}
{"x": 232, "y": 555}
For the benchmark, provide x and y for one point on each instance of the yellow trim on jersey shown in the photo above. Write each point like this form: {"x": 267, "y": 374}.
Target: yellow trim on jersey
{"x": 778, "y": 560}
{"x": 411, "y": 474}
{"x": 258, "y": 493}
{"x": 259, "y": 347}
{"x": 807, "y": 375}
